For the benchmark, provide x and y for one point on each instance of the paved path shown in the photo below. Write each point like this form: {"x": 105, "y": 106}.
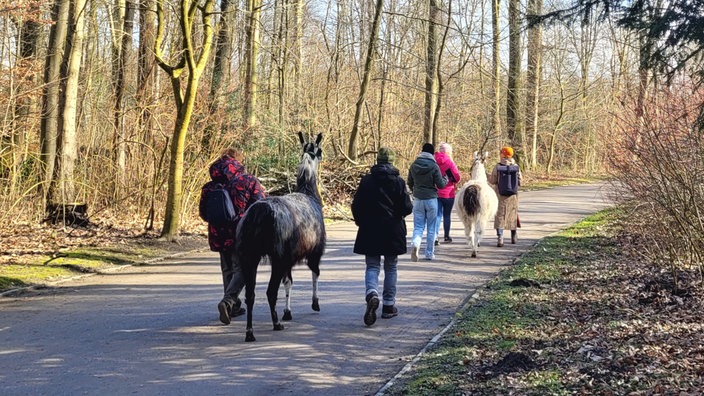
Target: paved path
{"x": 154, "y": 330}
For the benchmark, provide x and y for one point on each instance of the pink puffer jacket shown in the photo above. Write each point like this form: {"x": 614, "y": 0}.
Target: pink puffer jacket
{"x": 445, "y": 163}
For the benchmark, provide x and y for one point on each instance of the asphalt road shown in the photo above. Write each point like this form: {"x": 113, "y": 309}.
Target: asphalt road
{"x": 154, "y": 329}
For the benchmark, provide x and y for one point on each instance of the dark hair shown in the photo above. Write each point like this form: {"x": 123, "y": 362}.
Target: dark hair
{"x": 429, "y": 148}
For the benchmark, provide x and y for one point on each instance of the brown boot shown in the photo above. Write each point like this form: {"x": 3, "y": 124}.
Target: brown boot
{"x": 500, "y": 242}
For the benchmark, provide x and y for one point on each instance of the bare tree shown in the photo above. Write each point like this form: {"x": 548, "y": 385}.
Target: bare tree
{"x": 533, "y": 77}
{"x": 122, "y": 62}
{"x": 496, "y": 67}
{"x": 513, "y": 118}
{"x": 369, "y": 62}
{"x": 146, "y": 66}
{"x": 28, "y": 34}
{"x": 298, "y": 59}
{"x": 66, "y": 163}
{"x": 252, "y": 53}
{"x": 51, "y": 103}
{"x": 221, "y": 64}
{"x": 431, "y": 55}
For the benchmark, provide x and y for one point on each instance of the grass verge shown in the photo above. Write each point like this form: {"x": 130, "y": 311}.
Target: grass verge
{"x": 42, "y": 268}
{"x": 572, "y": 316}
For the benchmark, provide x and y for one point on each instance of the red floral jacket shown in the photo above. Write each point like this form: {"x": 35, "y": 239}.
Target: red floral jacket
{"x": 244, "y": 190}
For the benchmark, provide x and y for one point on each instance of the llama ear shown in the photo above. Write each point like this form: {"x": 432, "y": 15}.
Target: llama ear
{"x": 486, "y": 154}
{"x": 319, "y": 139}
{"x": 300, "y": 137}
{"x": 476, "y": 155}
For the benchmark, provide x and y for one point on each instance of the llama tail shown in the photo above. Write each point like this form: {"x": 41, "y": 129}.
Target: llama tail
{"x": 470, "y": 200}
{"x": 256, "y": 229}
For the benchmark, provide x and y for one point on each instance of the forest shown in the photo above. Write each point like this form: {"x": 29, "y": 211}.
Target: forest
{"x": 113, "y": 110}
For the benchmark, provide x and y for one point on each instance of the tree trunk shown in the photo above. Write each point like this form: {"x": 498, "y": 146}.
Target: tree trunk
{"x": 28, "y": 39}
{"x": 195, "y": 58}
{"x": 119, "y": 136}
{"x": 496, "y": 68}
{"x": 430, "y": 81}
{"x": 221, "y": 64}
{"x": 535, "y": 49}
{"x": 146, "y": 73}
{"x": 68, "y": 153}
{"x": 556, "y": 128}
{"x": 51, "y": 110}
{"x": 252, "y": 52}
{"x": 282, "y": 61}
{"x": 298, "y": 63}
{"x": 368, "y": 63}
{"x": 513, "y": 121}
{"x": 438, "y": 69}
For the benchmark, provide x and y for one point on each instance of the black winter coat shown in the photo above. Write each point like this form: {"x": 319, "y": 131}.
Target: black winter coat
{"x": 379, "y": 207}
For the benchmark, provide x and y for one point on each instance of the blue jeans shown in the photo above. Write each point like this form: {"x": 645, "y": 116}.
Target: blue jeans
{"x": 371, "y": 276}
{"x": 444, "y": 213}
{"x": 425, "y": 212}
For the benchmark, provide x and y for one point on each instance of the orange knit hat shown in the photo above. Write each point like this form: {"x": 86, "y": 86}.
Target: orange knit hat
{"x": 507, "y": 151}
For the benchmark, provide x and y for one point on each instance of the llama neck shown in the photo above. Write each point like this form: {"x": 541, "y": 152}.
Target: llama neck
{"x": 479, "y": 174}
{"x": 311, "y": 190}
{"x": 307, "y": 183}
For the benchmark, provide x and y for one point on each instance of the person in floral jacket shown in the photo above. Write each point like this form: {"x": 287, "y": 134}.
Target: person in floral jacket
{"x": 244, "y": 189}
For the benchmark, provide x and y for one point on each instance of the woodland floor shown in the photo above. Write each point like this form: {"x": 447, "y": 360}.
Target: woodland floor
{"x": 39, "y": 254}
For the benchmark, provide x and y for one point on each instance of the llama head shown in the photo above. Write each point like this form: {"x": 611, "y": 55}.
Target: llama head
{"x": 478, "y": 167}
{"x": 312, "y": 150}
{"x": 307, "y": 174}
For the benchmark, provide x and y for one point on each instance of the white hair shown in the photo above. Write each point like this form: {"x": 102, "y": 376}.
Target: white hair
{"x": 445, "y": 148}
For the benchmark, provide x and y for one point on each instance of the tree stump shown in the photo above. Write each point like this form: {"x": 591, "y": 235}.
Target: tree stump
{"x": 70, "y": 214}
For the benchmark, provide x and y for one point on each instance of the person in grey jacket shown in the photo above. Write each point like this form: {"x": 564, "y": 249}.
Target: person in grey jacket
{"x": 424, "y": 178}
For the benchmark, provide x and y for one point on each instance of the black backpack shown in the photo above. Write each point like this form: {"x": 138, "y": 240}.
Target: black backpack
{"x": 508, "y": 180}
{"x": 219, "y": 210}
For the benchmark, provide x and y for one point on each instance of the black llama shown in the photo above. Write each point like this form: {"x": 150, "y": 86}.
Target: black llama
{"x": 287, "y": 229}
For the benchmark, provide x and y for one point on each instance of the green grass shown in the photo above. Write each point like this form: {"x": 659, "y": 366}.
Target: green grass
{"x": 505, "y": 317}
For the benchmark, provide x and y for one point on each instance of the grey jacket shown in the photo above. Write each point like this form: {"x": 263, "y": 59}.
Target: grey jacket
{"x": 424, "y": 177}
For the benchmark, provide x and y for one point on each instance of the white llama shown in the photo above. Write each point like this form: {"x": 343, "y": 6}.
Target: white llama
{"x": 476, "y": 202}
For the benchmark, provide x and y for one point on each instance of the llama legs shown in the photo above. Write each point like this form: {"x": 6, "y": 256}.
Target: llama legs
{"x": 249, "y": 271}
{"x": 472, "y": 236}
{"x": 313, "y": 262}
{"x": 288, "y": 283}
{"x": 272, "y": 294}
{"x": 478, "y": 231}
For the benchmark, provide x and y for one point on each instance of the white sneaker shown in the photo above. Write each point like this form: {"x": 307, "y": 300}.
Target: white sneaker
{"x": 414, "y": 254}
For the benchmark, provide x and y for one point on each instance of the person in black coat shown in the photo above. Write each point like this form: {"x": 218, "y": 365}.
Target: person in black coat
{"x": 379, "y": 207}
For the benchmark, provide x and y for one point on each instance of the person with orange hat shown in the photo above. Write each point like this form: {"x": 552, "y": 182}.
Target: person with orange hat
{"x": 506, "y": 177}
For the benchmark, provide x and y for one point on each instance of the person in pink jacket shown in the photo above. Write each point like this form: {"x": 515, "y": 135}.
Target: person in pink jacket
{"x": 446, "y": 195}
